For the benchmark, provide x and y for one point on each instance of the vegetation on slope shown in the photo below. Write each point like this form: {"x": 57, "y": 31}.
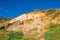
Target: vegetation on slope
{"x": 4, "y": 22}
{"x": 11, "y": 35}
{"x": 53, "y": 33}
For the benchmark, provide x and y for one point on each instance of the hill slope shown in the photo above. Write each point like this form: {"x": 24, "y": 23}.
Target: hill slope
{"x": 33, "y": 24}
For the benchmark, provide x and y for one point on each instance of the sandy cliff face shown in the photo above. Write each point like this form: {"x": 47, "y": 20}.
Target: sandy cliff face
{"x": 28, "y": 16}
{"x": 33, "y": 24}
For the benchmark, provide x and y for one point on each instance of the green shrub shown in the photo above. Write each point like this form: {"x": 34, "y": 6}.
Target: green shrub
{"x": 53, "y": 33}
{"x": 15, "y": 36}
{"x": 47, "y": 36}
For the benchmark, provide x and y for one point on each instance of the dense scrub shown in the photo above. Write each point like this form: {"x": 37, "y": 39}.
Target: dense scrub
{"x": 11, "y": 35}
{"x": 53, "y": 33}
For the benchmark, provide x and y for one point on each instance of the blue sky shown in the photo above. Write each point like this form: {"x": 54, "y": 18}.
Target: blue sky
{"x": 13, "y": 8}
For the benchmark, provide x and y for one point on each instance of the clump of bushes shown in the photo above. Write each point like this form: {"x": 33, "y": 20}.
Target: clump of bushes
{"x": 11, "y": 35}
{"x": 15, "y": 36}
